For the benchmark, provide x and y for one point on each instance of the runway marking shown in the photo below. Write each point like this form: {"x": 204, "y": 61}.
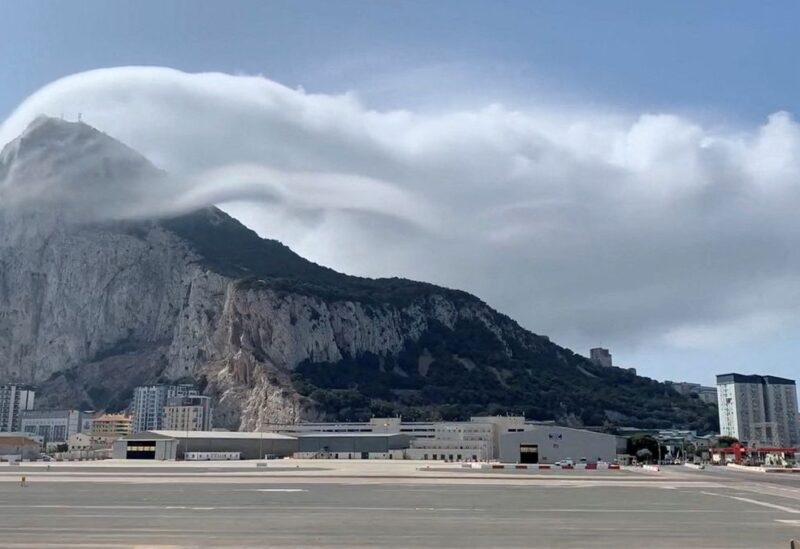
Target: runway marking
{"x": 276, "y": 490}
{"x": 756, "y": 502}
{"x": 789, "y": 521}
{"x": 280, "y": 507}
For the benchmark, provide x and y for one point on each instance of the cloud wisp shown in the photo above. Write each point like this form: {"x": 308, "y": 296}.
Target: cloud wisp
{"x": 589, "y": 227}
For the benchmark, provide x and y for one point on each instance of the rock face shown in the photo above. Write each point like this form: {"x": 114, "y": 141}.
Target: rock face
{"x": 91, "y": 307}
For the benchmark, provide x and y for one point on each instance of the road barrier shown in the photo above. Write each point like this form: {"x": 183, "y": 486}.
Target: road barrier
{"x": 545, "y": 466}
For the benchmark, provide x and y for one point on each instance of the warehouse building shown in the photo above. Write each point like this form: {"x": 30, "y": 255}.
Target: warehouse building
{"x": 549, "y": 444}
{"x": 352, "y": 445}
{"x": 171, "y": 445}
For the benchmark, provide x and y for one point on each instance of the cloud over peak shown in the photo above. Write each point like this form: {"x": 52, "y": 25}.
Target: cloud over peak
{"x": 584, "y": 226}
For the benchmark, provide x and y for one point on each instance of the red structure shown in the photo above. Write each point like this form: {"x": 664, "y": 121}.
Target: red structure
{"x": 751, "y": 455}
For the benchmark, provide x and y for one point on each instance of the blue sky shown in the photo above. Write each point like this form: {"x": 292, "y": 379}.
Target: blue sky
{"x": 723, "y": 64}
{"x": 730, "y": 60}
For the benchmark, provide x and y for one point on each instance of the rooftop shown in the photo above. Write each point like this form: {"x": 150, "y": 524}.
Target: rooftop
{"x": 349, "y": 435}
{"x": 209, "y": 434}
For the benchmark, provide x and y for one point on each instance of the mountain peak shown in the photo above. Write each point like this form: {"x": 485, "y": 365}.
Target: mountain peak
{"x": 71, "y": 166}
{"x": 48, "y": 136}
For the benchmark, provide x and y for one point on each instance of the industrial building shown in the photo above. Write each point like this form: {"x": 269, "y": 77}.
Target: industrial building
{"x": 14, "y": 399}
{"x": 758, "y": 410}
{"x": 171, "y": 445}
{"x": 474, "y": 440}
{"x": 549, "y": 444}
{"x": 352, "y": 445}
{"x": 375, "y": 425}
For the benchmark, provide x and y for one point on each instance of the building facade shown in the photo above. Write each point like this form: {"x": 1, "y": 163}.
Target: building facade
{"x": 109, "y": 427}
{"x": 15, "y": 446}
{"x": 758, "y": 410}
{"x": 54, "y": 426}
{"x": 149, "y": 402}
{"x": 188, "y": 413}
{"x": 549, "y": 444}
{"x": 475, "y": 440}
{"x": 171, "y": 445}
{"x": 14, "y": 399}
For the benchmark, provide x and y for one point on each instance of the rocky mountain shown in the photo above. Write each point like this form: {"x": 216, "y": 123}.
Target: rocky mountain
{"x": 91, "y": 306}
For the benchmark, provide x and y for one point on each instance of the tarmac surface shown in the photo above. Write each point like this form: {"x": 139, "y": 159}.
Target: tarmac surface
{"x": 359, "y": 504}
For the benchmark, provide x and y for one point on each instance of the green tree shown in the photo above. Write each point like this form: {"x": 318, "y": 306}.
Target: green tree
{"x": 726, "y": 441}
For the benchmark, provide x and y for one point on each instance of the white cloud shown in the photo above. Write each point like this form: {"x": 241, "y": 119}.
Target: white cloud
{"x": 584, "y": 226}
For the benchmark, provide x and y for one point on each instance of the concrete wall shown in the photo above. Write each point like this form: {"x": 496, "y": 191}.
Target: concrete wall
{"x": 558, "y": 443}
{"x": 250, "y": 448}
{"x": 20, "y": 446}
{"x": 345, "y": 443}
{"x": 349, "y": 444}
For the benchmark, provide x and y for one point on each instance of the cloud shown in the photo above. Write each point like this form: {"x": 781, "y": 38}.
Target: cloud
{"x": 586, "y": 226}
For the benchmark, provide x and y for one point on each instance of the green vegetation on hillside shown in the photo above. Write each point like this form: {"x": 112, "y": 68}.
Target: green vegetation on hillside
{"x": 469, "y": 374}
{"x": 448, "y": 373}
{"x": 231, "y": 249}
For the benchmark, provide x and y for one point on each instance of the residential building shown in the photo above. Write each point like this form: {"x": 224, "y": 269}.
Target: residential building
{"x": 54, "y": 426}
{"x": 601, "y": 357}
{"x": 109, "y": 427}
{"x": 14, "y": 399}
{"x": 187, "y": 413}
{"x": 759, "y": 411}
{"x": 149, "y": 401}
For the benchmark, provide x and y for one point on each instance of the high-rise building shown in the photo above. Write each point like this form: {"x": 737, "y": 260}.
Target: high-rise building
{"x": 149, "y": 401}
{"x": 758, "y": 410}
{"x": 14, "y": 399}
{"x": 601, "y": 357}
{"x": 188, "y": 413}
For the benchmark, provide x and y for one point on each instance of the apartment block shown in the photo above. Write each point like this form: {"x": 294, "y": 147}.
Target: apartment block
{"x": 14, "y": 399}
{"x": 188, "y": 413}
{"x": 149, "y": 402}
{"x": 758, "y": 410}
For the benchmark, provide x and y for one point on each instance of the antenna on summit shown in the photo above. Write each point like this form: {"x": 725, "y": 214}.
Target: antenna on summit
{"x": 79, "y": 117}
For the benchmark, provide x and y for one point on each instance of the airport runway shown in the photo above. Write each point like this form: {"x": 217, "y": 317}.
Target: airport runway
{"x": 669, "y": 509}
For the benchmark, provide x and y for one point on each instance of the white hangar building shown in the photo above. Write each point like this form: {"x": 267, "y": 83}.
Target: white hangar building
{"x": 549, "y": 444}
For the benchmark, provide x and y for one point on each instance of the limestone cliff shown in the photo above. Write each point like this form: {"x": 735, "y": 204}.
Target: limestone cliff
{"x": 91, "y": 306}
